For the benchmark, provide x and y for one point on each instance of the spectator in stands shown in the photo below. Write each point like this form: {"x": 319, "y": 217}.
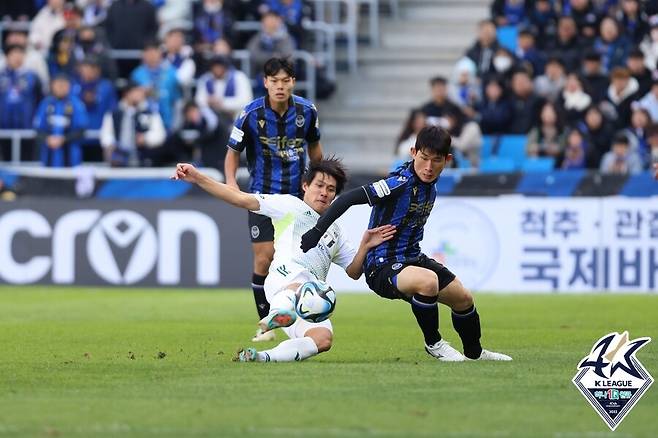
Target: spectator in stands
{"x": 466, "y": 138}
{"x": 201, "y": 138}
{"x": 586, "y": 17}
{"x": 575, "y": 150}
{"x": 635, "y": 64}
{"x": 292, "y": 12}
{"x": 212, "y": 21}
{"x": 546, "y": 138}
{"x": 94, "y": 12}
{"x": 60, "y": 122}
{"x": 34, "y": 60}
{"x": 550, "y": 84}
{"x": 160, "y": 79}
{"x": 600, "y": 132}
{"x": 650, "y": 101}
{"x": 633, "y": 21}
{"x": 482, "y": 52}
{"x": 574, "y": 100}
{"x": 173, "y": 13}
{"x": 652, "y": 139}
{"x": 130, "y": 24}
{"x": 179, "y": 56}
{"x": 596, "y": 83}
{"x": 612, "y": 45}
{"x": 637, "y": 131}
{"x": 99, "y": 97}
{"x": 509, "y": 12}
{"x": 621, "y": 160}
{"x": 134, "y": 133}
{"x": 527, "y": 54}
{"x": 649, "y": 44}
{"x": 62, "y": 57}
{"x": 566, "y": 45}
{"x": 543, "y": 19}
{"x": 416, "y": 121}
{"x": 273, "y": 40}
{"x": 495, "y": 111}
{"x": 504, "y": 64}
{"x": 49, "y": 20}
{"x": 224, "y": 89}
{"x": 20, "y": 91}
{"x": 91, "y": 43}
{"x": 623, "y": 90}
{"x": 440, "y": 106}
{"x": 526, "y": 104}
{"x": 464, "y": 87}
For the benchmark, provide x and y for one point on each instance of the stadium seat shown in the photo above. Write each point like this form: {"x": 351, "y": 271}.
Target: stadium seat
{"x": 462, "y": 161}
{"x": 489, "y": 143}
{"x": 640, "y": 185}
{"x": 552, "y": 183}
{"x": 497, "y": 165}
{"x": 507, "y": 37}
{"x": 538, "y": 164}
{"x": 513, "y": 147}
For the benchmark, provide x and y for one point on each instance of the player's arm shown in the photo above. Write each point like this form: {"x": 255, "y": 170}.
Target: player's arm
{"x": 313, "y": 137}
{"x": 240, "y": 137}
{"x": 368, "y": 194}
{"x": 315, "y": 152}
{"x": 189, "y": 173}
{"x": 371, "y": 238}
{"x": 231, "y": 163}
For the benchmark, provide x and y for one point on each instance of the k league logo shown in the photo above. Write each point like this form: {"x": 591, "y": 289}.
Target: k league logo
{"x": 611, "y": 378}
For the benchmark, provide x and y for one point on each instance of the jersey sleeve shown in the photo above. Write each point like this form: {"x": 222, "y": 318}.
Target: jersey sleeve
{"x": 313, "y": 134}
{"x": 385, "y": 189}
{"x": 240, "y": 136}
{"x": 346, "y": 253}
{"x": 275, "y": 206}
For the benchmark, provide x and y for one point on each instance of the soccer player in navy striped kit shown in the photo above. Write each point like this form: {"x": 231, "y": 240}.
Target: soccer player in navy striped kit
{"x": 277, "y": 131}
{"x": 397, "y": 269}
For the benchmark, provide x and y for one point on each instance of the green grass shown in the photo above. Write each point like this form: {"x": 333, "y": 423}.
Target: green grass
{"x": 67, "y": 368}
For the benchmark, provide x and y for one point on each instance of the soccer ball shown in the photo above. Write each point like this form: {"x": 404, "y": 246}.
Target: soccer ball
{"x": 315, "y": 301}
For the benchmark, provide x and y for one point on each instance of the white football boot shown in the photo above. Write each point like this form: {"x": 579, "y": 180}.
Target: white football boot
{"x": 443, "y": 351}
{"x": 492, "y": 355}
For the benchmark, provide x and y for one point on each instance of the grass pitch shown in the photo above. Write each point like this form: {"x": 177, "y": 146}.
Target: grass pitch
{"x": 83, "y": 362}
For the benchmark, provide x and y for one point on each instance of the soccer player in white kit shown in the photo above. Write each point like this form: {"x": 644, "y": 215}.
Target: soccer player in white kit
{"x": 291, "y": 267}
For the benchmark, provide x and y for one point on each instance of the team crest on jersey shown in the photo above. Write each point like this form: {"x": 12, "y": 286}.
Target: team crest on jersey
{"x": 255, "y": 232}
{"x": 611, "y": 378}
{"x": 396, "y": 266}
{"x": 299, "y": 121}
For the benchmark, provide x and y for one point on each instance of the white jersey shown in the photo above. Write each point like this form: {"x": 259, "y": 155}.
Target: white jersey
{"x": 291, "y": 218}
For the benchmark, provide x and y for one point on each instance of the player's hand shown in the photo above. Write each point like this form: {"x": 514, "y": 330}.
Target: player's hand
{"x": 377, "y": 236}
{"x": 310, "y": 239}
{"x": 186, "y": 172}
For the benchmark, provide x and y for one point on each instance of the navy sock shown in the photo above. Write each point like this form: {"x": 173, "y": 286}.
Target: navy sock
{"x": 467, "y": 325}
{"x": 426, "y": 312}
{"x": 262, "y": 306}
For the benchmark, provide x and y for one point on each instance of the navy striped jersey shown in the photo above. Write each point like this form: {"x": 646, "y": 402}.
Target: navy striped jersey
{"x": 276, "y": 145}
{"x": 405, "y": 201}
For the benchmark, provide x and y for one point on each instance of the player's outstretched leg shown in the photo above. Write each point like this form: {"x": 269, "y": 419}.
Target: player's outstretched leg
{"x": 466, "y": 321}
{"x": 282, "y": 311}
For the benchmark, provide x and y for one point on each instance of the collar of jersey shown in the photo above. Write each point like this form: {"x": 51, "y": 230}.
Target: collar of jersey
{"x": 291, "y": 104}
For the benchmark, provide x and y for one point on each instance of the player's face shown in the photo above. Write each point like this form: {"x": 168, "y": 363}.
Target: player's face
{"x": 320, "y": 192}
{"x": 279, "y": 87}
{"x": 428, "y": 165}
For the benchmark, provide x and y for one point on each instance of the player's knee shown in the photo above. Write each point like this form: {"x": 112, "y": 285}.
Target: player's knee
{"x": 262, "y": 262}
{"x": 323, "y": 341}
{"x": 463, "y": 300}
{"x": 428, "y": 284}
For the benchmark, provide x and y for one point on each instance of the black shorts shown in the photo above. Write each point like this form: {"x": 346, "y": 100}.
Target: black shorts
{"x": 382, "y": 279}
{"x": 260, "y": 228}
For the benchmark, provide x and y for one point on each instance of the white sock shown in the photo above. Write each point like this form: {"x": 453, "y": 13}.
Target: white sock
{"x": 290, "y": 350}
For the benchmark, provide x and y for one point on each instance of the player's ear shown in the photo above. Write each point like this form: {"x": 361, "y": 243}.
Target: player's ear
{"x": 448, "y": 158}
{"x": 413, "y": 151}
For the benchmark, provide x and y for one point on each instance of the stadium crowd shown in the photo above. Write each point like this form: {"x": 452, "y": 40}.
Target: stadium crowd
{"x": 60, "y": 77}
{"x": 577, "y": 78}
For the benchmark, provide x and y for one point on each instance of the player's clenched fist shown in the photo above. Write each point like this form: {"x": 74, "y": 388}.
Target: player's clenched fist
{"x": 186, "y": 172}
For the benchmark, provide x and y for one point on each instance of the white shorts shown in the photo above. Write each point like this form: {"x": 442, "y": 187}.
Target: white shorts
{"x": 277, "y": 281}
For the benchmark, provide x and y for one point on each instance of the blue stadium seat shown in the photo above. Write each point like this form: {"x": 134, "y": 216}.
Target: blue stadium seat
{"x": 507, "y": 37}
{"x": 538, "y": 164}
{"x": 641, "y": 185}
{"x": 488, "y": 145}
{"x": 462, "y": 161}
{"x": 497, "y": 165}
{"x": 513, "y": 147}
{"x": 553, "y": 183}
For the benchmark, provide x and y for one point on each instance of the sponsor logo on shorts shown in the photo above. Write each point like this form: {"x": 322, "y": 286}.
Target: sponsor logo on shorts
{"x": 611, "y": 378}
{"x": 255, "y": 232}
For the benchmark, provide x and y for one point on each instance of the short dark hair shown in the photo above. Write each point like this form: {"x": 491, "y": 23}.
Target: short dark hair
{"x": 329, "y": 165}
{"x": 10, "y": 48}
{"x": 620, "y": 138}
{"x": 438, "y": 80}
{"x": 433, "y": 139}
{"x": 275, "y": 65}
